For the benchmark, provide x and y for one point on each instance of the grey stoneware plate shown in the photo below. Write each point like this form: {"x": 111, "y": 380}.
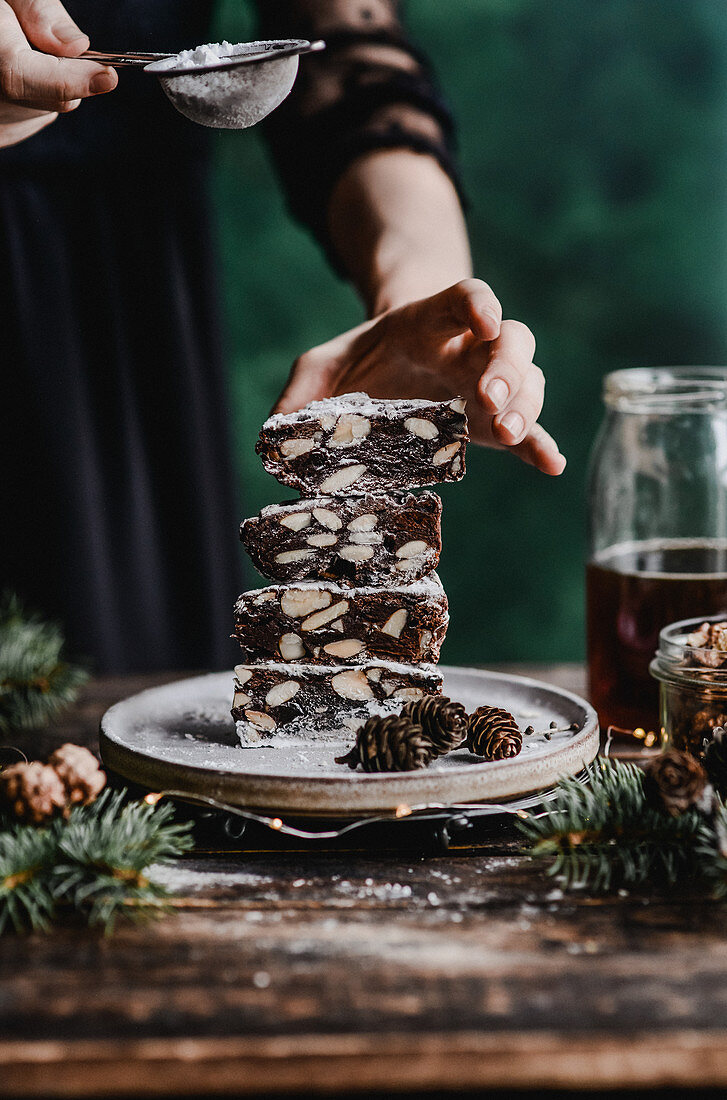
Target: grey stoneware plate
{"x": 180, "y": 738}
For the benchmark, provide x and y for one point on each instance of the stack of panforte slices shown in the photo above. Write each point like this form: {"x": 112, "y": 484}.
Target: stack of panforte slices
{"x": 354, "y": 621}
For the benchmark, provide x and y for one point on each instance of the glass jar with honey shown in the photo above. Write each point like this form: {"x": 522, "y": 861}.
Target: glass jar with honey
{"x": 658, "y": 527}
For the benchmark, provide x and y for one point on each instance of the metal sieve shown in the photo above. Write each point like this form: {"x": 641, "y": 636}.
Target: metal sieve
{"x": 232, "y": 94}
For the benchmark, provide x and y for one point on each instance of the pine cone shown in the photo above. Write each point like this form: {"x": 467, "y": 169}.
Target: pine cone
{"x": 674, "y": 781}
{"x": 79, "y": 772}
{"x": 32, "y": 792}
{"x": 493, "y": 733}
{"x": 389, "y": 744}
{"x": 443, "y": 722}
{"x": 715, "y": 759}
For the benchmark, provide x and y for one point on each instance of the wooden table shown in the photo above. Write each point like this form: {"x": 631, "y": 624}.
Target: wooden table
{"x": 390, "y": 970}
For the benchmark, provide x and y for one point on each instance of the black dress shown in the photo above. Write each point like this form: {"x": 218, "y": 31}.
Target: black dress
{"x": 118, "y": 502}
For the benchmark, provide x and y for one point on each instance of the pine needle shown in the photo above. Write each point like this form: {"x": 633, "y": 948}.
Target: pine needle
{"x": 36, "y": 682}
{"x": 93, "y": 865}
{"x": 604, "y": 834}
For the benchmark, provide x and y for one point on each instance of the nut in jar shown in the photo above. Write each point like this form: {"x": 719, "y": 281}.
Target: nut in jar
{"x": 691, "y": 667}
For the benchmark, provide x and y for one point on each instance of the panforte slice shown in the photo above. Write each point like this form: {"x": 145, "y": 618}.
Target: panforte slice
{"x": 324, "y": 702}
{"x": 391, "y": 538}
{"x": 356, "y": 444}
{"x": 322, "y": 622}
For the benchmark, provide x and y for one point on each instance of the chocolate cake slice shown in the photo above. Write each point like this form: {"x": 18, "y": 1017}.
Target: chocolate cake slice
{"x": 325, "y": 702}
{"x": 322, "y": 622}
{"x": 390, "y": 538}
{"x": 358, "y": 444}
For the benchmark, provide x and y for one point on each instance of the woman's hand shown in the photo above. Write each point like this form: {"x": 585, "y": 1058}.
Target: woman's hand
{"x": 35, "y": 87}
{"x": 452, "y": 343}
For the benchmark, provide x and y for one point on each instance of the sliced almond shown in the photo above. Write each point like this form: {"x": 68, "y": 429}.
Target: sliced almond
{"x": 325, "y": 538}
{"x": 327, "y": 422}
{"x": 349, "y": 647}
{"x": 412, "y": 549}
{"x": 296, "y": 521}
{"x": 313, "y": 622}
{"x": 395, "y": 623}
{"x": 352, "y": 684}
{"x": 356, "y": 553}
{"x": 261, "y": 721}
{"x": 456, "y": 465}
{"x": 408, "y": 694}
{"x": 374, "y": 674}
{"x": 409, "y": 565}
{"x": 291, "y": 647}
{"x": 457, "y": 405}
{"x": 349, "y": 430}
{"x": 298, "y": 602}
{"x": 243, "y": 674}
{"x": 445, "y": 453}
{"x": 363, "y": 523}
{"x": 341, "y": 479}
{"x": 338, "y": 625}
{"x": 264, "y": 597}
{"x": 328, "y": 519}
{"x": 241, "y": 700}
{"x": 293, "y": 448}
{"x": 425, "y": 429}
{"x": 288, "y": 556}
{"x": 281, "y": 693}
{"x": 366, "y": 538}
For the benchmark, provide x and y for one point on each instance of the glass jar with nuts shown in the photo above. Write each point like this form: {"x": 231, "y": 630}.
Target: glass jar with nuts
{"x": 691, "y": 667}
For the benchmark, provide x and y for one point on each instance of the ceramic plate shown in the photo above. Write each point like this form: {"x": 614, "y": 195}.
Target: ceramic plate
{"x": 181, "y": 737}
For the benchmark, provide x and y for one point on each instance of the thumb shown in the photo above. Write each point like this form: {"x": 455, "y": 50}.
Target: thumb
{"x": 309, "y": 380}
{"x": 468, "y": 306}
{"x": 48, "y": 26}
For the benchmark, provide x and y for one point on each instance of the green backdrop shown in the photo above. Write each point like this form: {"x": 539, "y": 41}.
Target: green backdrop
{"x": 593, "y": 149}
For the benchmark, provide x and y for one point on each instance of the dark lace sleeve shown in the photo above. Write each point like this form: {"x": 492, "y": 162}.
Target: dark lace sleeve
{"x": 370, "y": 89}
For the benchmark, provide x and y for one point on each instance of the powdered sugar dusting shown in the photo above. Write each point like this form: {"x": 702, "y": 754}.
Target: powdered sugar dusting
{"x": 429, "y": 586}
{"x": 359, "y": 404}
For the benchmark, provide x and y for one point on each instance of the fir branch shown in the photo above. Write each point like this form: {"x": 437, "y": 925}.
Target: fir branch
{"x": 27, "y": 858}
{"x": 104, "y": 851}
{"x": 605, "y": 834}
{"x": 94, "y": 864}
{"x": 36, "y": 682}
{"x": 711, "y": 849}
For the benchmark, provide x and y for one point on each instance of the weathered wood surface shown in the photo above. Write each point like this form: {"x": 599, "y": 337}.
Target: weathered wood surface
{"x": 393, "y": 970}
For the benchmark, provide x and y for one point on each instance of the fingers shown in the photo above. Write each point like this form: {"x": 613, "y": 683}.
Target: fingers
{"x": 539, "y": 449}
{"x": 38, "y": 80}
{"x": 309, "y": 380}
{"x": 48, "y": 26}
{"x": 509, "y": 362}
{"x": 469, "y": 305}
